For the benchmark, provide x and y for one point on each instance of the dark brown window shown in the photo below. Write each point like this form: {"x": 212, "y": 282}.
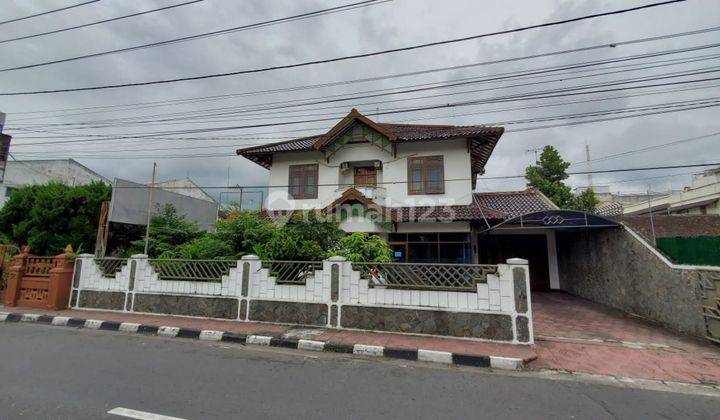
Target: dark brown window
{"x": 303, "y": 183}
{"x": 426, "y": 175}
{"x": 365, "y": 177}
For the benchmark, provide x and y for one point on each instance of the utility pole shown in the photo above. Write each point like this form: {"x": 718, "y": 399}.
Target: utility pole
{"x": 149, "y": 210}
{"x": 535, "y": 150}
{"x": 652, "y": 221}
{"x": 589, "y": 167}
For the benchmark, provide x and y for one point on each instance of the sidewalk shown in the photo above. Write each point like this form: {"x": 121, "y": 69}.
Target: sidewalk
{"x": 572, "y": 335}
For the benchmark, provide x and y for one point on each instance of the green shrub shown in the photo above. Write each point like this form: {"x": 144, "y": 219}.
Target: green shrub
{"x": 207, "y": 247}
{"x": 49, "y": 217}
{"x": 363, "y": 247}
{"x": 168, "y": 232}
{"x": 242, "y": 231}
{"x": 305, "y": 237}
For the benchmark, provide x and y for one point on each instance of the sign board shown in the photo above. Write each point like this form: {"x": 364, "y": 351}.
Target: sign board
{"x": 129, "y": 205}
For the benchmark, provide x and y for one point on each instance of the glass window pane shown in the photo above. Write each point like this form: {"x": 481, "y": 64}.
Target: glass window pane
{"x": 397, "y": 237}
{"x": 398, "y": 252}
{"x": 455, "y": 237}
{"x": 422, "y": 252}
{"x": 422, "y": 237}
{"x": 455, "y": 253}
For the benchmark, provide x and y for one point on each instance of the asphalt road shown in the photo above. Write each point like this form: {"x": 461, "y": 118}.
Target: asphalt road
{"x": 54, "y": 372}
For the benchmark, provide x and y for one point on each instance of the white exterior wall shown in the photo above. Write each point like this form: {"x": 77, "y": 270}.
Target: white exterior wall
{"x": 702, "y": 189}
{"x": 37, "y": 172}
{"x": 456, "y": 162}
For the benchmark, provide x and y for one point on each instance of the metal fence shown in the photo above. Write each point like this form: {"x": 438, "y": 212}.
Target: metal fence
{"x": 110, "y": 266}
{"x": 292, "y": 272}
{"x": 192, "y": 270}
{"x": 425, "y": 276}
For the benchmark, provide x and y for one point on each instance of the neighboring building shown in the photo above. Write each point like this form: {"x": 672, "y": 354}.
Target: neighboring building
{"x": 606, "y": 197}
{"x": 20, "y": 173}
{"x": 185, "y": 186}
{"x": 413, "y": 185}
{"x": 700, "y": 197}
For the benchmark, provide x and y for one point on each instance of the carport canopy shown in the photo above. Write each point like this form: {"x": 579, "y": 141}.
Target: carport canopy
{"x": 555, "y": 219}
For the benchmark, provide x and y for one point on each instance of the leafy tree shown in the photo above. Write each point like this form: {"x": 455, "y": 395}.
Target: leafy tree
{"x": 585, "y": 201}
{"x": 168, "y": 231}
{"x": 49, "y": 217}
{"x": 548, "y": 174}
{"x": 363, "y": 247}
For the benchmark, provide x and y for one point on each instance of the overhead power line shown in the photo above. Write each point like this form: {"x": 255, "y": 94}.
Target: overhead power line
{"x": 307, "y": 15}
{"x": 85, "y": 25}
{"x": 261, "y": 110}
{"x": 355, "y": 56}
{"x": 137, "y": 105}
{"x": 602, "y": 171}
{"x": 633, "y": 111}
{"x": 645, "y": 149}
{"x": 48, "y": 12}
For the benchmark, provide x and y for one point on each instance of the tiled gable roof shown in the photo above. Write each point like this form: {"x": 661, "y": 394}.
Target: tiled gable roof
{"x": 514, "y": 203}
{"x": 482, "y": 139}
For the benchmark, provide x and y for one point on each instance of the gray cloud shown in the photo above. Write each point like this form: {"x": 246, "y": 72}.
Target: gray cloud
{"x": 401, "y": 22}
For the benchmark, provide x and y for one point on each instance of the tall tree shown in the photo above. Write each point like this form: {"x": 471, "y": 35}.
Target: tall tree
{"x": 585, "y": 201}
{"x": 548, "y": 174}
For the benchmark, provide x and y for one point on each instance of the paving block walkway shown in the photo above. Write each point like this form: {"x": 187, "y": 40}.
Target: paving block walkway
{"x": 572, "y": 334}
{"x": 577, "y": 335}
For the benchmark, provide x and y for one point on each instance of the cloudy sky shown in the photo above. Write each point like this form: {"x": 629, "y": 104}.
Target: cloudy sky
{"x": 86, "y": 125}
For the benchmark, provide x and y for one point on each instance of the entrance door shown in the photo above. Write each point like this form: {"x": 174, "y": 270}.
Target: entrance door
{"x": 365, "y": 176}
{"x": 497, "y": 249}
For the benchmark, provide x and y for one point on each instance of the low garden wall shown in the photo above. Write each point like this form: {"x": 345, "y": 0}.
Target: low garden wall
{"x": 472, "y": 301}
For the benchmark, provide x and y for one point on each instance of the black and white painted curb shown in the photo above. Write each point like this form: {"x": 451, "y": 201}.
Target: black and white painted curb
{"x": 433, "y": 356}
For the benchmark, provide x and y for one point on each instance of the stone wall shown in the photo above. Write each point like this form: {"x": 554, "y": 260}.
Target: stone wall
{"x": 613, "y": 267}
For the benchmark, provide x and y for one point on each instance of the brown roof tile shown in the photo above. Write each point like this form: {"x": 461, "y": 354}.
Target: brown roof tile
{"x": 514, "y": 203}
{"x": 483, "y": 139}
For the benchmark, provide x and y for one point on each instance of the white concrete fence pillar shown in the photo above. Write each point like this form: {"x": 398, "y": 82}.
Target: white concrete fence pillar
{"x": 518, "y": 278}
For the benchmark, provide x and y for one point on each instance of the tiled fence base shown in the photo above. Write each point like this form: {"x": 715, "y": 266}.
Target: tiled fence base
{"x": 431, "y": 356}
{"x": 335, "y": 296}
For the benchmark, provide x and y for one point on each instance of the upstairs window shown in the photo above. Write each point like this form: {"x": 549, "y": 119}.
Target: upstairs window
{"x": 303, "y": 182}
{"x": 426, "y": 175}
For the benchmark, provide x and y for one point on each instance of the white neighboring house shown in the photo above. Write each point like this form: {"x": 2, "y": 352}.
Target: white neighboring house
{"x": 702, "y": 196}
{"x": 20, "y": 173}
{"x": 413, "y": 185}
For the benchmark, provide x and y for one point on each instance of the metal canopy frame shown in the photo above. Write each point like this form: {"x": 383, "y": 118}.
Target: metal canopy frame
{"x": 555, "y": 219}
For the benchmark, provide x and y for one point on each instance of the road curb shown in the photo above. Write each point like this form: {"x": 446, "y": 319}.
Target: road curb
{"x": 423, "y": 355}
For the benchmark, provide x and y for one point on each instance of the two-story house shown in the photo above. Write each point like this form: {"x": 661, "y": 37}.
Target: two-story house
{"x": 413, "y": 185}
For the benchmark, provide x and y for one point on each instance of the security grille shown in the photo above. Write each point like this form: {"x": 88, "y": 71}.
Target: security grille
{"x": 110, "y": 266}
{"x": 292, "y": 272}
{"x": 192, "y": 270}
{"x": 419, "y": 276}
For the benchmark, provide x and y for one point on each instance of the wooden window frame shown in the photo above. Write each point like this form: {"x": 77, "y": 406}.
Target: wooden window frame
{"x": 304, "y": 170}
{"x": 424, "y": 164}
{"x": 372, "y": 175}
